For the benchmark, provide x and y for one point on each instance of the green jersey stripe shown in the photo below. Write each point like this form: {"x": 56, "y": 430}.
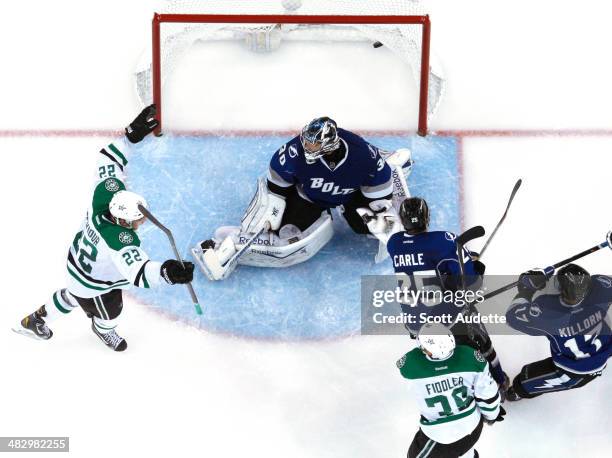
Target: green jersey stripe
{"x": 112, "y": 158}
{"x": 488, "y": 409}
{"x": 90, "y": 286}
{"x": 450, "y": 418}
{"x": 58, "y": 305}
{"x": 86, "y": 277}
{"x": 119, "y": 154}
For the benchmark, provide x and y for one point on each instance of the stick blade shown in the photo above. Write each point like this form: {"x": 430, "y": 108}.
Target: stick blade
{"x": 471, "y": 234}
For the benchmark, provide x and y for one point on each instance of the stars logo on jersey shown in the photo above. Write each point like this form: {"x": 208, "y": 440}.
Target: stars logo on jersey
{"x": 111, "y": 185}
{"x": 126, "y": 238}
{"x": 479, "y": 356}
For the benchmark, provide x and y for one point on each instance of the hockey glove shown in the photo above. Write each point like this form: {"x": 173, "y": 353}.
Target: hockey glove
{"x": 500, "y": 416}
{"x": 173, "y": 272}
{"x": 143, "y": 125}
{"x": 533, "y": 280}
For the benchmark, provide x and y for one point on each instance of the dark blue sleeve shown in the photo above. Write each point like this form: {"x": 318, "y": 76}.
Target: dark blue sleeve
{"x": 282, "y": 171}
{"x": 524, "y": 316}
{"x": 378, "y": 183}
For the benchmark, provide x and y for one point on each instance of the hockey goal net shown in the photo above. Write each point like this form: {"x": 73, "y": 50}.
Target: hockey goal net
{"x": 263, "y": 25}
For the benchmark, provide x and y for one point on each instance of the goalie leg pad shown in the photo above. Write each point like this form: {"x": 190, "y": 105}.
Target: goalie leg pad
{"x": 278, "y": 252}
{"x": 265, "y": 207}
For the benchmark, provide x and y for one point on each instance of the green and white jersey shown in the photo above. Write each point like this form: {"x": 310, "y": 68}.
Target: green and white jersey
{"x": 453, "y": 393}
{"x": 103, "y": 255}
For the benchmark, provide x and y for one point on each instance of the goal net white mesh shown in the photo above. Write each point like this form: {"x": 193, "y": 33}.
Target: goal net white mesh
{"x": 403, "y": 40}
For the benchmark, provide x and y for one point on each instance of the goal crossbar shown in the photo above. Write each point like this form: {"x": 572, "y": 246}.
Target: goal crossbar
{"x": 422, "y": 20}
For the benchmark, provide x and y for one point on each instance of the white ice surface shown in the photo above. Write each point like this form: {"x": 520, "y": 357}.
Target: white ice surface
{"x": 181, "y": 392}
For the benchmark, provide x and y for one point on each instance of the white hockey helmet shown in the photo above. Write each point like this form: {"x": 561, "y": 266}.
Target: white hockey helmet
{"x": 124, "y": 206}
{"x": 436, "y": 341}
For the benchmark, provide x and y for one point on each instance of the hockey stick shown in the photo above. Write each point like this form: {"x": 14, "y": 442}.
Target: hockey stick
{"x": 517, "y": 185}
{"x": 471, "y": 234}
{"x": 241, "y": 251}
{"x": 582, "y": 254}
{"x": 168, "y": 233}
{"x": 229, "y": 264}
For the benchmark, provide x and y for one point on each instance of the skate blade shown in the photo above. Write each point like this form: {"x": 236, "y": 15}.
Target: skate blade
{"x": 26, "y": 332}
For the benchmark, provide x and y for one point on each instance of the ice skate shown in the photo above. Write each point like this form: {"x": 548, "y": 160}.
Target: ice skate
{"x": 34, "y": 326}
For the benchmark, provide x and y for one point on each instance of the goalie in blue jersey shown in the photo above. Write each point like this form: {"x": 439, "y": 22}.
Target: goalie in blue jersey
{"x": 324, "y": 167}
{"x": 572, "y": 313}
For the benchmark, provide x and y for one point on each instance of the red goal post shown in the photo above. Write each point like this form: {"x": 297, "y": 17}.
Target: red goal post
{"x": 422, "y": 20}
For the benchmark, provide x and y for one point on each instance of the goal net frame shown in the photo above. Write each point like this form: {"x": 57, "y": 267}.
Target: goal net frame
{"x": 422, "y": 20}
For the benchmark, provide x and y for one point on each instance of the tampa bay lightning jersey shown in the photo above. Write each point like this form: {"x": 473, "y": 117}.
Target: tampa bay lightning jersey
{"x": 361, "y": 169}
{"x": 429, "y": 261}
{"x": 432, "y": 253}
{"x": 579, "y": 336}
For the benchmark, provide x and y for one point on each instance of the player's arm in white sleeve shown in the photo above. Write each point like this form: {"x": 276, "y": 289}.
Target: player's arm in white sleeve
{"x": 136, "y": 266}
{"x": 112, "y": 158}
{"x": 486, "y": 393}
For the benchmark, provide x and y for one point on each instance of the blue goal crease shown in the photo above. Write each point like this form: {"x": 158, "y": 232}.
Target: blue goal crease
{"x": 196, "y": 184}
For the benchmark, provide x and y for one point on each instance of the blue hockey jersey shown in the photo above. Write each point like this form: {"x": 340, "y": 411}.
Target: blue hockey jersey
{"x": 329, "y": 185}
{"x": 432, "y": 252}
{"x": 429, "y": 261}
{"x": 579, "y": 336}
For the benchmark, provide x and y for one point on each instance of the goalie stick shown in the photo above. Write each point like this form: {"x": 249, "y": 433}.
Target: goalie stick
{"x": 517, "y": 185}
{"x": 168, "y": 233}
{"x": 555, "y": 266}
{"x": 229, "y": 265}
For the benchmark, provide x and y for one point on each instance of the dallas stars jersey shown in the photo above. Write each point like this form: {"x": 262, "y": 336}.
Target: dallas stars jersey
{"x": 103, "y": 255}
{"x": 452, "y": 394}
{"x": 361, "y": 169}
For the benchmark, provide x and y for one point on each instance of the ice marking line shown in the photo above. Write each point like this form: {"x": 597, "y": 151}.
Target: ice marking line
{"x": 462, "y": 133}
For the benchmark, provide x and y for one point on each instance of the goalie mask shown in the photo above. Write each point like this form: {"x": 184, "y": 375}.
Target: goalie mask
{"x": 436, "y": 341}
{"x": 574, "y": 283}
{"x": 124, "y": 209}
{"x": 319, "y": 137}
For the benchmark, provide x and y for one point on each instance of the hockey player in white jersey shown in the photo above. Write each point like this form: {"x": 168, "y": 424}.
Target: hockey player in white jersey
{"x": 455, "y": 393}
{"x": 105, "y": 256}
{"x": 289, "y": 219}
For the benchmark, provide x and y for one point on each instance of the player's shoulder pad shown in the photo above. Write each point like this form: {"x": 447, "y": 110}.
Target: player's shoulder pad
{"x": 411, "y": 363}
{"x": 396, "y": 237}
{"x": 470, "y": 359}
{"x": 602, "y": 281}
{"x": 118, "y": 237}
{"x": 289, "y": 152}
{"x": 350, "y": 137}
{"x": 446, "y": 236}
{"x": 104, "y": 192}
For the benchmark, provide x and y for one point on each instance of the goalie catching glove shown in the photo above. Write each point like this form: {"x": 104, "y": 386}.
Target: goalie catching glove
{"x": 380, "y": 218}
{"x": 174, "y": 272}
{"x": 143, "y": 125}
